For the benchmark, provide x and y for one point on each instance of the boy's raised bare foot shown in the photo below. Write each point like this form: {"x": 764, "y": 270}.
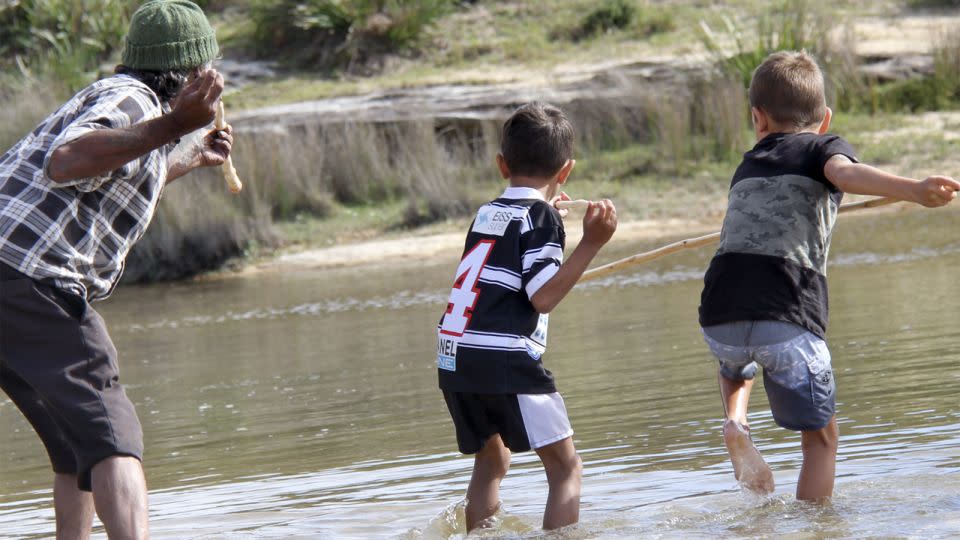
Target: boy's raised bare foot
{"x": 749, "y": 468}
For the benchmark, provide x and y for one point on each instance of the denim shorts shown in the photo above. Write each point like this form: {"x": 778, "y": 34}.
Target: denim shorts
{"x": 797, "y": 374}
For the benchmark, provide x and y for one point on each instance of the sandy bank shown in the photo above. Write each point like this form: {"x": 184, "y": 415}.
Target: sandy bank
{"x": 418, "y": 247}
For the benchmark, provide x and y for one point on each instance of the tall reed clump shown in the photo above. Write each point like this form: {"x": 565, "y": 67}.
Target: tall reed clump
{"x": 706, "y": 120}
{"x": 23, "y": 103}
{"x": 304, "y": 169}
{"x": 790, "y": 25}
{"x": 198, "y": 226}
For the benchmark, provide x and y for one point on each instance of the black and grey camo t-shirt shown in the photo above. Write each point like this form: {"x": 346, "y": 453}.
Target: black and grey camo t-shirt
{"x": 772, "y": 260}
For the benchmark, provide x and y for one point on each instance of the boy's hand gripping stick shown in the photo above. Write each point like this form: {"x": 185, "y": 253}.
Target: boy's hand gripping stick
{"x": 229, "y": 172}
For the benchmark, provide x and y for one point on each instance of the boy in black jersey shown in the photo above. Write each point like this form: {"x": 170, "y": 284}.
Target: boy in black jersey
{"x": 494, "y": 330}
{"x": 765, "y": 295}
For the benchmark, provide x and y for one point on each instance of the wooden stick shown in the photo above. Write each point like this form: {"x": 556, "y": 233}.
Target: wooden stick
{"x": 700, "y": 241}
{"x": 229, "y": 172}
{"x": 565, "y": 205}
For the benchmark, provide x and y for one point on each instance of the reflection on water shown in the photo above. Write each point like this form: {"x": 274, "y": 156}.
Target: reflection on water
{"x": 304, "y": 405}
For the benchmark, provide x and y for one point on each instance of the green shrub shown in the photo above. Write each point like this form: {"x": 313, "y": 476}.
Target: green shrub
{"x": 941, "y": 90}
{"x": 327, "y": 34}
{"x": 609, "y": 15}
{"x": 615, "y": 15}
{"x": 62, "y": 40}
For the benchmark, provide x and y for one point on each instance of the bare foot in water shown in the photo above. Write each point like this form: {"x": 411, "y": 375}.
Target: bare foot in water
{"x": 749, "y": 468}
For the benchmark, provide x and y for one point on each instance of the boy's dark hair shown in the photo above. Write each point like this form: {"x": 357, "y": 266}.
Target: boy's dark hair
{"x": 788, "y": 86}
{"x": 537, "y": 140}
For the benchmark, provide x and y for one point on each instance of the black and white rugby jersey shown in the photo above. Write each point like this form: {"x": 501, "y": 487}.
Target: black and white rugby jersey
{"x": 490, "y": 337}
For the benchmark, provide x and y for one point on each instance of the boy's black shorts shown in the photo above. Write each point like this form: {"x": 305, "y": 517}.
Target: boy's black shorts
{"x": 59, "y": 367}
{"x": 523, "y": 421}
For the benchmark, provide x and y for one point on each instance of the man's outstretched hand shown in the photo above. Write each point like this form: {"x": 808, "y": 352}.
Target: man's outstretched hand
{"x": 937, "y": 191}
{"x": 196, "y": 104}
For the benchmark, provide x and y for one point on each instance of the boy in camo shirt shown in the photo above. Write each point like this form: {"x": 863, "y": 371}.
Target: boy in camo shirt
{"x": 765, "y": 294}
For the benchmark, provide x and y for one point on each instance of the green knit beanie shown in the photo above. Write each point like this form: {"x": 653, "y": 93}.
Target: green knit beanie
{"x": 169, "y": 34}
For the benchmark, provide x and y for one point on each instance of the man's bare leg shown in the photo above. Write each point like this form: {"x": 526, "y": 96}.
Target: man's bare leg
{"x": 490, "y": 465}
{"x": 564, "y": 476}
{"x": 749, "y": 468}
{"x": 120, "y": 497}
{"x": 73, "y": 508}
{"x": 819, "y": 463}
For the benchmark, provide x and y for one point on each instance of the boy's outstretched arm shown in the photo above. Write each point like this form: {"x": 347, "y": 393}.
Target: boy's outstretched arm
{"x": 863, "y": 179}
{"x": 599, "y": 223}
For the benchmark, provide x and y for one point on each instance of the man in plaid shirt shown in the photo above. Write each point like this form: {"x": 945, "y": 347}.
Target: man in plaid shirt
{"x": 75, "y": 195}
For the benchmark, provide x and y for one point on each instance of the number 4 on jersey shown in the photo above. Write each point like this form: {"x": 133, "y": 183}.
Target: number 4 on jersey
{"x": 463, "y": 296}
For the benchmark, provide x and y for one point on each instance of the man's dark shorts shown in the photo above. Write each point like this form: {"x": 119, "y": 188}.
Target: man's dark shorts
{"x": 59, "y": 366}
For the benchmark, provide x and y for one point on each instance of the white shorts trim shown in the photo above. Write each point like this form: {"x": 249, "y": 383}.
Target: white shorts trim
{"x": 544, "y": 418}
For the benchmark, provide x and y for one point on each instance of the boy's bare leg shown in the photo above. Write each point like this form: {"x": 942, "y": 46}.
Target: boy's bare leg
{"x": 749, "y": 468}
{"x": 120, "y": 497}
{"x": 73, "y": 508}
{"x": 819, "y": 463}
{"x": 564, "y": 473}
{"x": 490, "y": 465}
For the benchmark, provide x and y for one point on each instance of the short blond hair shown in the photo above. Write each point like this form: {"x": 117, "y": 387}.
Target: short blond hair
{"x": 789, "y": 87}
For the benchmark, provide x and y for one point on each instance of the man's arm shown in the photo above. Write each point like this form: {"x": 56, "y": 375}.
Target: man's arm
{"x": 105, "y": 150}
{"x": 863, "y": 179}
{"x": 599, "y": 223}
{"x": 102, "y": 151}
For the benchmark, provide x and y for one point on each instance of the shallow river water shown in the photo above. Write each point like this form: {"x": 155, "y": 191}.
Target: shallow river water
{"x": 304, "y": 404}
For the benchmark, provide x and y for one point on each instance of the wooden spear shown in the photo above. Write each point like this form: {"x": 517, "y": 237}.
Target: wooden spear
{"x": 229, "y": 172}
{"x": 689, "y": 243}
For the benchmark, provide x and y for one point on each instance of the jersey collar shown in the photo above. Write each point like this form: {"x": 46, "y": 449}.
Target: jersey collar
{"x": 522, "y": 193}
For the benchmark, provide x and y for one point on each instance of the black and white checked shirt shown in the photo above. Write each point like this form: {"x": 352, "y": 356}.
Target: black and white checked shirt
{"x": 76, "y": 235}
